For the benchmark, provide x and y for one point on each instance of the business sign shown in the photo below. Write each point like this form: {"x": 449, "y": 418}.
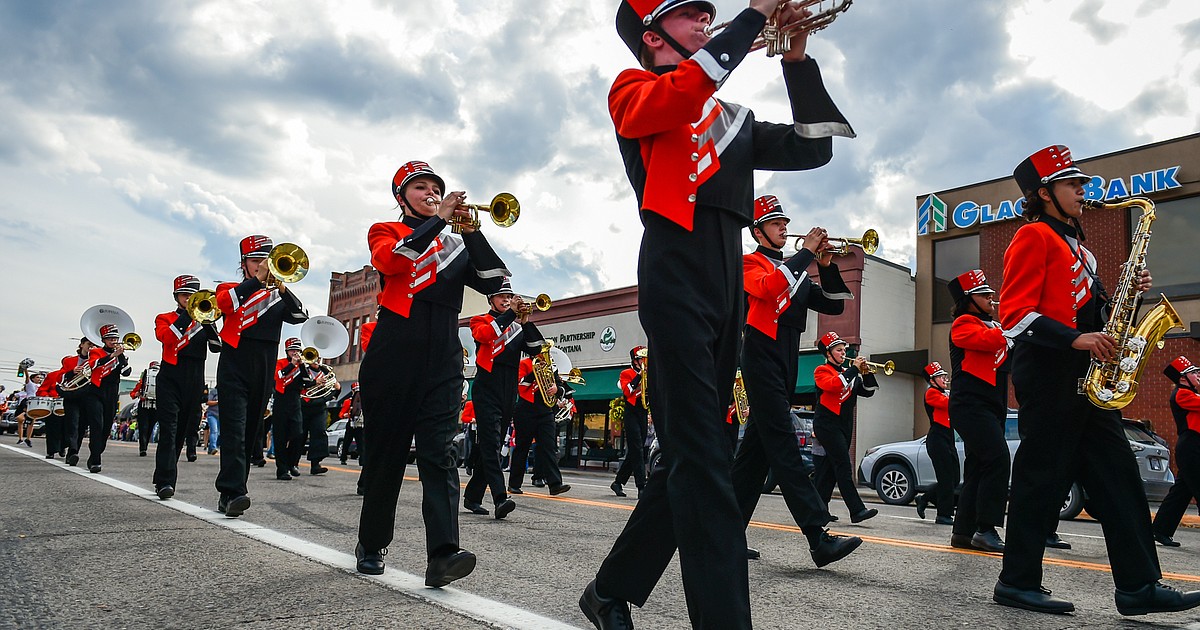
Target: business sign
{"x": 590, "y": 342}
{"x": 934, "y": 215}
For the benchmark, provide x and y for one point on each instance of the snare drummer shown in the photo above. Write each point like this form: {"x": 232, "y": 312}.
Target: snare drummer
{"x": 32, "y": 382}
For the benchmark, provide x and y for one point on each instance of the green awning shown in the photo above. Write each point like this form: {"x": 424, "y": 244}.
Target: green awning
{"x": 807, "y": 362}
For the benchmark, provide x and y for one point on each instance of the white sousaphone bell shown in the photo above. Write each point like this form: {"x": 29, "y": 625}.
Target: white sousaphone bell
{"x": 103, "y": 314}
{"x": 323, "y": 337}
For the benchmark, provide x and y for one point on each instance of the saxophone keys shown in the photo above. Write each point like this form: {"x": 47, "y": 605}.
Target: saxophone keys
{"x": 1122, "y": 386}
{"x": 1128, "y": 365}
{"x": 1104, "y": 394}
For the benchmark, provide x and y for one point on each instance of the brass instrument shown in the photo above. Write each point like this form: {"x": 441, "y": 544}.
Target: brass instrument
{"x": 869, "y": 243}
{"x": 131, "y": 341}
{"x": 288, "y": 263}
{"x": 778, "y": 39}
{"x": 741, "y": 401}
{"x": 504, "y": 208}
{"x": 575, "y": 377}
{"x": 103, "y": 314}
{"x": 323, "y": 336}
{"x": 644, "y": 355}
{"x": 202, "y": 307}
{"x": 543, "y": 373}
{"x": 1113, "y": 384}
{"x": 887, "y": 368}
{"x": 542, "y": 303}
{"x": 321, "y": 390}
{"x": 82, "y": 377}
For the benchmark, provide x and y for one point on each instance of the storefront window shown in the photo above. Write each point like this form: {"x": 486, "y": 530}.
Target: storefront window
{"x": 951, "y": 258}
{"x": 1172, "y": 258}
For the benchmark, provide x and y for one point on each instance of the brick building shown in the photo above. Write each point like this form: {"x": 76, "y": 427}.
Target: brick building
{"x": 352, "y": 301}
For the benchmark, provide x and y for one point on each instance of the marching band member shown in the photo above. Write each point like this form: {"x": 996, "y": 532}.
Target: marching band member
{"x": 76, "y": 410}
{"x": 833, "y": 421}
{"x": 978, "y": 351}
{"x": 109, "y": 364}
{"x": 501, "y": 336}
{"x": 1185, "y": 407}
{"x": 287, "y": 421}
{"x": 316, "y": 419}
{"x": 779, "y": 294}
{"x": 145, "y": 392}
{"x": 690, "y": 159}
{"x": 412, "y": 377}
{"x": 1052, "y": 302}
{"x": 939, "y": 442}
{"x": 634, "y": 424}
{"x": 27, "y": 391}
{"x": 534, "y": 419}
{"x": 55, "y": 438}
{"x": 352, "y": 412}
{"x": 253, "y": 316}
{"x": 179, "y": 389}
{"x": 469, "y": 430}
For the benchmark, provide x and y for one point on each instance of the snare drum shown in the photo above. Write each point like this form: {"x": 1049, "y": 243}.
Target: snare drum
{"x": 39, "y": 407}
{"x": 58, "y": 407}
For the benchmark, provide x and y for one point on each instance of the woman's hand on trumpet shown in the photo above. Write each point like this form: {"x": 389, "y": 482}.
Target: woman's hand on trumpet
{"x": 789, "y": 13}
{"x": 451, "y": 206}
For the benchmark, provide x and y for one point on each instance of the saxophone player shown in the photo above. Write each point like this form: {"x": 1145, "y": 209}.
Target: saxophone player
{"x": 534, "y": 419}
{"x": 1051, "y": 306}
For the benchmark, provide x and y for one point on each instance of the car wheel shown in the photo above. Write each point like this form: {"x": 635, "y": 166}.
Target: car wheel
{"x": 769, "y": 484}
{"x": 1073, "y": 504}
{"x": 341, "y": 449}
{"x": 895, "y": 484}
{"x": 654, "y": 460}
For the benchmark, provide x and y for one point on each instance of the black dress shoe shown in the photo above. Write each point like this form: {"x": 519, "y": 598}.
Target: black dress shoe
{"x": 259, "y": 462}
{"x": 559, "y": 489}
{"x": 865, "y": 514}
{"x": 944, "y": 520}
{"x": 50, "y": 456}
{"x": 1166, "y": 540}
{"x": 233, "y": 507}
{"x": 294, "y": 471}
{"x": 1054, "y": 541}
{"x": 616, "y": 488}
{"x": 445, "y": 569}
{"x": 833, "y": 518}
{"x": 922, "y": 503}
{"x": 505, "y": 508}
{"x": 369, "y": 562}
{"x": 283, "y": 476}
{"x": 94, "y": 468}
{"x": 141, "y": 453}
{"x": 475, "y": 508}
{"x": 752, "y": 553}
{"x": 72, "y": 459}
{"x": 834, "y": 548}
{"x": 606, "y": 613}
{"x": 362, "y": 492}
{"x": 961, "y": 541}
{"x": 317, "y": 469}
{"x": 191, "y": 457}
{"x": 1035, "y": 599}
{"x": 515, "y": 491}
{"x": 1155, "y": 598}
{"x": 987, "y": 541}
{"x": 538, "y": 483}
{"x": 165, "y": 492}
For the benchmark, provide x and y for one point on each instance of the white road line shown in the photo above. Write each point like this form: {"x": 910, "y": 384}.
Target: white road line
{"x": 460, "y": 602}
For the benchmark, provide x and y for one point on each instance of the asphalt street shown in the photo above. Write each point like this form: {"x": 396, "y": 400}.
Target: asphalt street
{"x": 99, "y": 551}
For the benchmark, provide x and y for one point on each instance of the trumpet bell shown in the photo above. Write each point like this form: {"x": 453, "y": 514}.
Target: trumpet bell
{"x": 575, "y": 376}
{"x": 325, "y": 336}
{"x": 202, "y": 307}
{"x": 505, "y": 209}
{"x": 131, "y": 341}
{"x": 869, "y": 242}
{"x": 288, "y": 262}
{"x": 310, "y": 355}
{"x": 99, "y": 315}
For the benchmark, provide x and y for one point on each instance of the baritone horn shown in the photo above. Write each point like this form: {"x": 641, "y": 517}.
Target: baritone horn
{"x": 288, "y": 263}
{"x": 542, "y": 303}
{"x": 777, "y": 39}
{"x": 504, "y": 209}
{"x": 202, "y": 307}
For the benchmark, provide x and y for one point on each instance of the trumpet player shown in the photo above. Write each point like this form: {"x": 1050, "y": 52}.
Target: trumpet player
{"x": 634, "y": 423}
{"x": 502, "y": 336}
{"x": 109, "y": 364}
{"x": 1052, "y": 304}
{"x": 838, "y": 391}
{"x": 287, "y": 421}
{"x": 315, "y": 417}
{"x": 939, "y": 443}
{"x": 253, "y": 315}
{"x": 179, "y": 389}
{"x": 412, "y": 375}
{"x": 1184, "y": 402}
{"x": 694, "y": 185}
{"x": 779, "y": 294}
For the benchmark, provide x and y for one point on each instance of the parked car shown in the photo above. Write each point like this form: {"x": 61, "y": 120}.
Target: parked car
{"x": 898, "y": 471}
{"x": 8, "y": 424}
{"x": 337, "y": 439}
{"x": 801, "y": 422}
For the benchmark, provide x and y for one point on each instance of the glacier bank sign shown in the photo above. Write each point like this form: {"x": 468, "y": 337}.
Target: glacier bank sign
{"x": 934, "y": 215}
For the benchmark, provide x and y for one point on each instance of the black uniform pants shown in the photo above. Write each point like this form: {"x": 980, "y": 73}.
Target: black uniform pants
{"x": 99, "y": 422}
{"x": 939, "y": 442}
{"x": 245, "y": 382}
{"x": 411, "y": 385}
{"x": 835, "y": 467}
{"x": 980, "y": 422}
{"x": 287, "y": 434}
{"x": 531, "y": 425}
{"x": 1187, "y": 482}
{"x": 179, "y": 391}
{"x": 769, "y": 444}
{"x": 1066, "y": 439}
{"x": 495, "y": 395}
{"x": 54, "y": 434}
{"x": 70, "y": 425}
{"x": 691, "y": 307}
{"x": 634, "y": 425}
{"x": 315, "y": 423}
{"x": 147, "y": 418}
{"x": 353, "y": 435}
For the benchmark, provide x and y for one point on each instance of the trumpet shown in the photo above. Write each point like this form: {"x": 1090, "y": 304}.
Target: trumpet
{"x": 575, "y": 376}
{"x": 504, "y": 208}
{"x": 526, "y": 305}
{"x": 869, "y": 243}
{"x": 778, "y": 39}
{"x": 288, "y": 263}
{"x": 202, "y": 307}
{"x": 887, "y": 368}
{"x": 131, "y": 341}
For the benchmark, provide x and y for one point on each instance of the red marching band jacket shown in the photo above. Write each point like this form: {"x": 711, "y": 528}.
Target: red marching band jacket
{"x": 344, "y": 412}
{"x": 468, "y": 412}
{"x": 285, "y": 373}
{"x": 1043, "y": 278}
{"x": 103, "y": 364}
{"x": 984, "y": 346}
{"x": 835, "y": 389}
{"x": 49, "y": 386}
{"x": 364, "y": 334}
{"x": 1189, "y": 402}
{"x": 173, "y": 340}
{"x": 238, "y": 315}
{"x": 526, "y": 389}
{"x": 939, "y": 402}
{"x": 625, "y": 382}
{"x": 406, "y": 276}
{"x": 492, "y": 340}
{"x": 769, "y": 291}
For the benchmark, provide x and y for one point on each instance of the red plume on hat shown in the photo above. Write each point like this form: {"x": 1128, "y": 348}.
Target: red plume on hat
{"x": 934, "y": 370}
{"x": 256, "y": 246}
{"x": 1177, "y": 368}
{"x": 635, "y": 17}
{"x": 767, "y": 208}
{"x": 410, "y": 171}
{"x": 829, "y": 341}
{"x": 1048, "y": 165}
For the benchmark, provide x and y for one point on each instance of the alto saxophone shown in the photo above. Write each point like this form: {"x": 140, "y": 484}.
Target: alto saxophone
{"x": 1113, "y": 384}
{"x": 741, "y": 402}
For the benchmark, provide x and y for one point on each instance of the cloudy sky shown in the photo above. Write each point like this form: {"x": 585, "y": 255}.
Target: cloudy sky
{"x": 141, "y": 140}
